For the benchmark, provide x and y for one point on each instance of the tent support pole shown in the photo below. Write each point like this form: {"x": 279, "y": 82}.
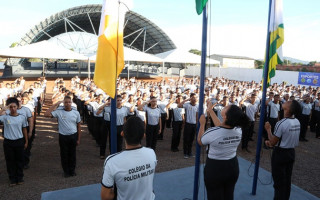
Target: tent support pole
{"x": 89, "y": 68}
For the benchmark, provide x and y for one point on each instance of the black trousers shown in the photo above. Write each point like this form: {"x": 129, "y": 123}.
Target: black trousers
{"x": 317, "y": 113}
{"x": 27, "y": 151}
{"x": 14, "y": 156}
{"x": 39, "y": 106}
{"x": 97, "y": 129}
{"x": 163, "y": 122}
{"x": 313, "y": 120}
{"x": 68, "y": 144}
{"x": 169, "y": 121}
{"x": 273, "y": 122}
{"x": 176, "y": 134}
{"x": 281, "y": 167}
{"x": 90, "y": 121}
{"x": 104, "y": 135}
{"x": 247, "y": 134}
{"x": 189, "y": 133}
{"x": 304, "y": 122}
{"x": 152, "y": 132}
{"x": 220, "y": 178}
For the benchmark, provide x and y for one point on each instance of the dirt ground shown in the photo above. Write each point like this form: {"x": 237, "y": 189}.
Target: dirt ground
{"x": 45, "y": 172}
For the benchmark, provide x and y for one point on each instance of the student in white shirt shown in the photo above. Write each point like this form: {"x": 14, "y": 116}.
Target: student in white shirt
{"x": 153, "y": 127}
{"x": 304, "y": 118}
{"x": 221, "y": 171}
{"x": 128, "y": 175}
{"x": 285, "y": 138}
{"x": 15, "y": 140}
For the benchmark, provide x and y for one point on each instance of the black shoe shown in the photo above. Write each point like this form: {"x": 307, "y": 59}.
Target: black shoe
{"x": 73, "y": 174}
{"x": 26, "y": 166}
{"x": 66, "y": 175}
{"x": 191, "y": 155}
{"x": 12, "y": 183}
{"x": 175, "y": 150}
{"x": 303, "y": 140}
{"x": 250, "y": 139}
{"x": 20, "y": 182}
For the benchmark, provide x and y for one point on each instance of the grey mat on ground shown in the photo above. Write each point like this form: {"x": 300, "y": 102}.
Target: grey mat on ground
{"x": 178, "y": 185}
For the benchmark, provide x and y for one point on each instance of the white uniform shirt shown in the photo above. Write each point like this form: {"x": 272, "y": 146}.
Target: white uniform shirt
{"x": 24, "y": 111}
{"x": 223, "y": 142}
{"x": 95, "y": 106}
{"x": 140, "y": 114}
{"x": 306, "y": 108}
{"x": 107, "y": 113}
{"x": 162, "y": 106}
{"x": 13, "y": 126}
{"x": 251, "y": 110}
{"x": 67, "y": 121}
{"x": 177, "y": 112}
{"x": 288, "y": 130}
{"x": 132, "y": 171}
{"x": 191, "y": 113}
{"x": 153, "y": 115}
{"x": 274, "y": 109}
{"x": 121, "y": 114}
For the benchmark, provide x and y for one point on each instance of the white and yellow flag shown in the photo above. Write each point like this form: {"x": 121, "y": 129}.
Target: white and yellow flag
{"x": 110, "y": 58}
{"x": 276, "y": 31}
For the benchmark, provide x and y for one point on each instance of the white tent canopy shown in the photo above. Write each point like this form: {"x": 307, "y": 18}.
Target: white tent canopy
{"x": 43, "y": 49}
{"x": 180, "y": 56}
{"x": 133, "y": 55}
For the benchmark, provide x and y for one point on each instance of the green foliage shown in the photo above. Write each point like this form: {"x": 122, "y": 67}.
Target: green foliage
{"x": 13, "y": 44}
{"x": 258, "y": 64}
{"x": 195, "y": 51}
{"x": 312, "y": 63}
{"x": 304, "y": 69}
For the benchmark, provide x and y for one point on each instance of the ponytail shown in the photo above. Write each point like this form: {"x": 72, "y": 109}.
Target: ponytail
{"x": 236, "y": 117}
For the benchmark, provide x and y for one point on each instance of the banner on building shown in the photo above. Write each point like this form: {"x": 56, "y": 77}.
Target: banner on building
{"x": 309, "y": 78}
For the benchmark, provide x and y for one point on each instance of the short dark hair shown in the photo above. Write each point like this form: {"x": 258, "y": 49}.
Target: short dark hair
{"x": 236, "y": 117}
{"x": 12, "y": 100}
{"x": 67, "y": 97}
{"x": 295, "y": 108}
{"x": 133, "y": 130}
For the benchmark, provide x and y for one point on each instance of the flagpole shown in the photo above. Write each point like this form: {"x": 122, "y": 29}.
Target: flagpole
{"x": 113, "y": 128}
{"x": 201, "y": 98}
{"x": 263, "y": 107}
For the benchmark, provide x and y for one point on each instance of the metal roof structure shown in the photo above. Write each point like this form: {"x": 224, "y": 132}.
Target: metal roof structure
{"x": 139, "y": 32}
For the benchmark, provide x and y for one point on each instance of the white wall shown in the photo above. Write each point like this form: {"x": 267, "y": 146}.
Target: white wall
{"x": 291, "y": 77}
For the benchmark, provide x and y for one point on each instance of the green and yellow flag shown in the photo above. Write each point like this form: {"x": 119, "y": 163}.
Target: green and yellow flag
{"x": 110, "y": 58}
{"x": 200, "y": 4}
{"x": 276, "y": 31}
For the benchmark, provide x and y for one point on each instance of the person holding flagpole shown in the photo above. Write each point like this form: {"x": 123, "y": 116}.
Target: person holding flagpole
{"x": 221, "y": 171}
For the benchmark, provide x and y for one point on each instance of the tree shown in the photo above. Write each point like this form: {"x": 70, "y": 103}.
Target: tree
{"x": 312, "y": 63}
{"x": 14, "y": 44}
{"x": 258, "y": 64}
{"x": 195, "y": 51}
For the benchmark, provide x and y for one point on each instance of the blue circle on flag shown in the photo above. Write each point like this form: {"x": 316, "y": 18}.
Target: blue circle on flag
{"x": 309, "y": 80}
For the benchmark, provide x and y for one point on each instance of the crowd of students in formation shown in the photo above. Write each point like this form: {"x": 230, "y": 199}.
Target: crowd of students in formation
{"x": 159, "y": 104}
{"x": 19, "y": 107}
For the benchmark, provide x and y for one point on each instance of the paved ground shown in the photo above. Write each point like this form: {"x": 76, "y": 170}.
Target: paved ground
{"x": 45, "y": 173}
{"x": 178, "y": 184}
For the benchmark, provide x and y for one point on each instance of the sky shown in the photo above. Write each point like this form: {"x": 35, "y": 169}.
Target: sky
{"x": 235, "y": 27}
